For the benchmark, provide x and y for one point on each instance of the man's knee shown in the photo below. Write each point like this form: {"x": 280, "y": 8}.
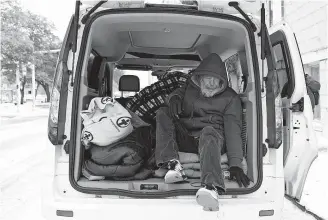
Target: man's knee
{"x": 210, "y": 131}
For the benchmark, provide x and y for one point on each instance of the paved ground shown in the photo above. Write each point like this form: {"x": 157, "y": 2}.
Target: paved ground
{"x": 26, "y": 162}
{"x": 315, "y": 193}
{"x": 10, "y": 111}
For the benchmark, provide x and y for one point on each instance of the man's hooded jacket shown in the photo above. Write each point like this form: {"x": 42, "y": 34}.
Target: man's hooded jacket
{"x": 223, "y": 111}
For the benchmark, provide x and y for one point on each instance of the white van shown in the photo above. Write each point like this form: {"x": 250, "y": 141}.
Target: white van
{"x": 105, "y": 37}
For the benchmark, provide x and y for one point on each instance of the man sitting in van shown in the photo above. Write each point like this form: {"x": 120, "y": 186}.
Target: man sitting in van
{"x": 202, "y": 117}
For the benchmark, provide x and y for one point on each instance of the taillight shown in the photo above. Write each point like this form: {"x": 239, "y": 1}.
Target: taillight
{"x": 54, "y": 105}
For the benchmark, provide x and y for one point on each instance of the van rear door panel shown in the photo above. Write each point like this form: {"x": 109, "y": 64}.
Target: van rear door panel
{"x": 300, "y": 148}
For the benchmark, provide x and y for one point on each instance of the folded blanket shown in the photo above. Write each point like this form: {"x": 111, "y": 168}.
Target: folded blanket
{"x": 196, "y": 166}
{"x": 188, "y": 158}
{"x": 191, "y": 165}
{"x": 194, "y": 158}
{"x": 192, "y": 174}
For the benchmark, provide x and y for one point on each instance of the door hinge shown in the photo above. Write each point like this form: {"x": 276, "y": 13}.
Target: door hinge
{"x": 298, "y": 106}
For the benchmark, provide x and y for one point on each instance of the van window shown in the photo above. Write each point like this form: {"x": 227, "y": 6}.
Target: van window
{"x": 234, "y": 73}
{"x": 145, "y": 78}
{"x": 282, "y": 69}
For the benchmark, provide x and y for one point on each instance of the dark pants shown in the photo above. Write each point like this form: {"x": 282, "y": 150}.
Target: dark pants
{"x": 169, "y": 141}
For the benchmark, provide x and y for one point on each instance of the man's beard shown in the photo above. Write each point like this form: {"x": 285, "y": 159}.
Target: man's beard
{"x": 209, "y": 92}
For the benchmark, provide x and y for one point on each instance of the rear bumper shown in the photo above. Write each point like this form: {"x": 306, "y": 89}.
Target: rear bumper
{"x": 89, "y": 207}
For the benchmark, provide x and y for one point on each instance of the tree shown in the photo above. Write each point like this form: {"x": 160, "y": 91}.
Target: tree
{"x": 44, "y": 72}
{"x": 23, "y": 33}
{"x": 16, "y": 45}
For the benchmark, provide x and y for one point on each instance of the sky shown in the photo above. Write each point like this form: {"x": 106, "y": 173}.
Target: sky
{"x": 57, "y": 11}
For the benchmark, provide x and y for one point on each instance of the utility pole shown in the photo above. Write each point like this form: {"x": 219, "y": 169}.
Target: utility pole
{"x": 270, "y": 14}
{"x": 18, "y": 95}
{"x": 0, "y": 86}
{"x": 33, "y": 84}
{"x": 283, "y": 10}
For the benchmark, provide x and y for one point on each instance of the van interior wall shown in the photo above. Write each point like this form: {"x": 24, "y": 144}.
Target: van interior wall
{"x": 112, "y": 36}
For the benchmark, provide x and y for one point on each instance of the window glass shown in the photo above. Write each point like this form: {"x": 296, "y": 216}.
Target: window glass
{"x": 234, "y": 73}
{"x": 314, "y": 72}
{"x": 145, "y": 78}
{"x": 282, "y": 68}
{"x": 183, "y": 69}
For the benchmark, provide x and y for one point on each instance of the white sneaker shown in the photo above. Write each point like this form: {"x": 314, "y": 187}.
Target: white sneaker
{"x": 208, "y": 198}
{"x": 175, "y": 173}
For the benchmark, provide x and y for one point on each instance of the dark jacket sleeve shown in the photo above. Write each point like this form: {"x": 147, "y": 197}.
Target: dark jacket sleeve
{"x": 196, "y": 122}
{"x": 179, "y": 92}
{"x": 232, "y": 131}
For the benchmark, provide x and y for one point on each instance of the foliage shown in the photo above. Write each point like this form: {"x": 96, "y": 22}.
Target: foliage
{"x": 44, "y": 72}
{"x": 45, "y": 68}
{"x": 16, "y": 46}
{"x": 22, "y": 35}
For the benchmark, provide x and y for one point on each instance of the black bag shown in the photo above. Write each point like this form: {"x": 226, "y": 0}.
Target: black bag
{"x": 316, "y": 97}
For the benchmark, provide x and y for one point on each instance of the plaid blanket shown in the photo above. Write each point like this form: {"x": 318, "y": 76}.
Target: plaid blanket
{"x": 151, "y": 98}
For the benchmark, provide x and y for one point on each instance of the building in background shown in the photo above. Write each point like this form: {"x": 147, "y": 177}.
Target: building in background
{"x": 309, "y": 21}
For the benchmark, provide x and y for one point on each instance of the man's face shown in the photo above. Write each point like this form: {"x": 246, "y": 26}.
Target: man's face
{"x": 210, "y": 85}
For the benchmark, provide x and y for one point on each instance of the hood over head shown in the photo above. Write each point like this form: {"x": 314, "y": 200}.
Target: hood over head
{"x": 212, "y": 65}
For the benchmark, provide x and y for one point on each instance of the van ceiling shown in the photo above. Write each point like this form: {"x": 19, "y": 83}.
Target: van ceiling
{"x": 113, "y": 35}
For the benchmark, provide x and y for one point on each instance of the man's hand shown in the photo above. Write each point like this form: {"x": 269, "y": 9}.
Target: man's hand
{"x": 238, "y": 174}
{"x": 175, "y": 106}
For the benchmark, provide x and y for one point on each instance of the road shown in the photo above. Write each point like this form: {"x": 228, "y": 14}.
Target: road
{"x": 26, "y": 163}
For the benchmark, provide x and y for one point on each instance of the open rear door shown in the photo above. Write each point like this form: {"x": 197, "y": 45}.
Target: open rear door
{"x": 300, "y": 148}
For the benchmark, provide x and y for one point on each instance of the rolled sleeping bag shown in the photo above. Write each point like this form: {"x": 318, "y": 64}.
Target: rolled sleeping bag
{"x": 121, "y": 159}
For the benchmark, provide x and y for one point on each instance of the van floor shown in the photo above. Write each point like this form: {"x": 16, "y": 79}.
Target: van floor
{"x": 157, "y": 183}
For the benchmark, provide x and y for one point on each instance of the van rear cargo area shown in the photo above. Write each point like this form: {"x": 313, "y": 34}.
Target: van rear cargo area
{"x": 128, "y": 55}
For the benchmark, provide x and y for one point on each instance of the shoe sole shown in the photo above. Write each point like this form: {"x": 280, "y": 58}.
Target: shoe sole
{"x": 207, "y": 201}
